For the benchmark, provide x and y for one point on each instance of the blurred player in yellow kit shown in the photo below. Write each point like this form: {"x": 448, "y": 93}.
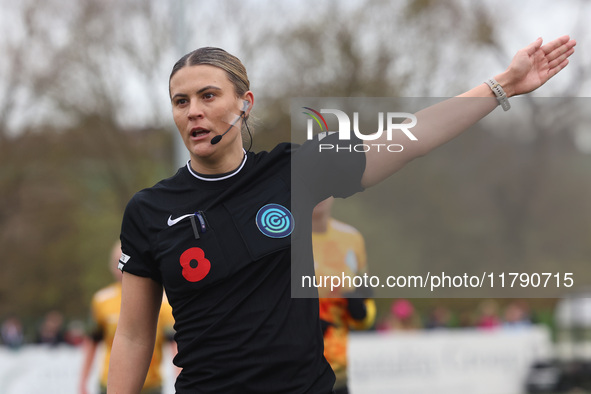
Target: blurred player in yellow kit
{"x": 105, "y": 309}
{"x": 339, "y": 249}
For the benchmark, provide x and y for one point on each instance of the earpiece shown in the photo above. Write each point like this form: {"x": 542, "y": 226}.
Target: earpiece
{"x": 245, "y": 105}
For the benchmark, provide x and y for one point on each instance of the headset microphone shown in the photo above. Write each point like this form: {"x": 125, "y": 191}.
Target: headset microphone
{"x": 218, "y": 138}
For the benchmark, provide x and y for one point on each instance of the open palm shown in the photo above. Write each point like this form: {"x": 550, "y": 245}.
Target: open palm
{"x": 535, "y": 64}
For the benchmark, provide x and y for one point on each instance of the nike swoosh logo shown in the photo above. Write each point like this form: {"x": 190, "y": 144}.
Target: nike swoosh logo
{"x": 172, "y": 222}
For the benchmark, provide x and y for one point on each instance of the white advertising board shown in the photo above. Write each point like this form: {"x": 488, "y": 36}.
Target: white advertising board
{"x": 447, "y": 361}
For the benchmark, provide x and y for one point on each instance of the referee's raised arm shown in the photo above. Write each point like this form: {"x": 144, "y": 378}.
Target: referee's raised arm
{"x": 136, "y": 333}
{"x": 531, "y": 67}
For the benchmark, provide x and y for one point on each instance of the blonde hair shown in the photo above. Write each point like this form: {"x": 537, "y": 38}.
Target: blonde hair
{"x": 219, "y": 58}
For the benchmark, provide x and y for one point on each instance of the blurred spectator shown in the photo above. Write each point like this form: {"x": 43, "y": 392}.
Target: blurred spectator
{"x": 12, "y": 333}
{"x": 75, "y": 333}
{"x": 402, "y": 317}
{"x": 340, "y": 249}
{"x": 488, "y": 315}
{"x": 51, "y": 330}
{"x": 105, "y": 310}
{"x": 439, "y": 317}
{"x": 516, "y": 315}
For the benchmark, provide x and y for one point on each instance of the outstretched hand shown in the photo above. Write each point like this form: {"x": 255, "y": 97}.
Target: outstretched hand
{"x": 535, "y": 64}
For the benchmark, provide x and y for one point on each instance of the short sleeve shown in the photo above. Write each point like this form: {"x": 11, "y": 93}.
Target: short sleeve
{"x": 328, "y": 167}
{"x": 136, "y": 257}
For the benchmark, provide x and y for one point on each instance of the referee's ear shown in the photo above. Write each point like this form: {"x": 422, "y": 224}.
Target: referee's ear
{"x": 247, "y": 103}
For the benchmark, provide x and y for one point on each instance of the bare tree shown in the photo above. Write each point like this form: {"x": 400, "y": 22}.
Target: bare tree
{"x": 87, "y": 58}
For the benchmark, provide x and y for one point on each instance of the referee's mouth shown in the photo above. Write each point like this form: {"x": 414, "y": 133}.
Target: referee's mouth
{"x": 199, "y": 133}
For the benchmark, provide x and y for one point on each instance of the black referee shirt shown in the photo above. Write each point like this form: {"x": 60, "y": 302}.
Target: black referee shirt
{"x": 222, "y": 249}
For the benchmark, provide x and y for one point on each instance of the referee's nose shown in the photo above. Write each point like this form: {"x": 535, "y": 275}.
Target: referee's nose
{"x": 195, "y": 109}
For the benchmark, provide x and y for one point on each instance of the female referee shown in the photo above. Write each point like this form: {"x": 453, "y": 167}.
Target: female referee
{"x": 203, "y": 235}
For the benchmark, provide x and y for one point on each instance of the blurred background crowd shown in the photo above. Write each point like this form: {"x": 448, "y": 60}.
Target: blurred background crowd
{"x": 393, "y": 315}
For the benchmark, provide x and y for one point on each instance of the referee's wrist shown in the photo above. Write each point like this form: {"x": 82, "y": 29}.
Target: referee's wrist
{"x": 505, "y": 81}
